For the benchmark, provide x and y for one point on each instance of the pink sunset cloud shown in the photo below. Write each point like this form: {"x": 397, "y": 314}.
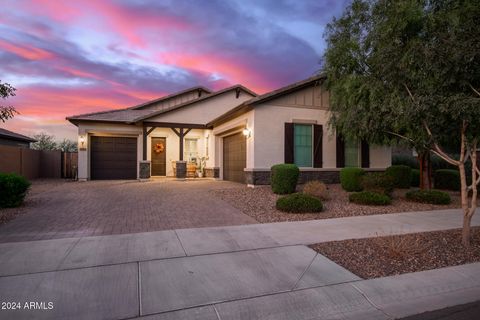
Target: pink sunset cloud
{"x": 72, "y": 57}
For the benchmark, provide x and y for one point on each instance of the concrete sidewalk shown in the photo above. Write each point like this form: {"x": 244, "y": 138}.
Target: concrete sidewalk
{"x": 247, "y": 272}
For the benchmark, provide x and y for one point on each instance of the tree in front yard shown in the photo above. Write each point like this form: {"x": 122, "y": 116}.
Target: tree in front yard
{"x": 7, "y": 112}
{"x": 410, "y": 70}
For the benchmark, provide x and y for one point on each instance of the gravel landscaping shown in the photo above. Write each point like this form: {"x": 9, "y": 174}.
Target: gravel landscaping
{"x": 259, "y": 203}
{"x": 392, "y": 255}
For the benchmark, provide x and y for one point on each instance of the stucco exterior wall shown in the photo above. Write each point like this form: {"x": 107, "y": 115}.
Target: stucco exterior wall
{"x": 173, "y": 144}
{"x": 270, "y": 126}
{"x": 233, "y": 126}
{"x": 88, "y": 129}
{"x": 204, "y": 111}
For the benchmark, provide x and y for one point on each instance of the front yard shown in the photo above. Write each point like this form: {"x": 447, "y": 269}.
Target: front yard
{"x": 386, "y": 256}
{"x": 259, "y": 203}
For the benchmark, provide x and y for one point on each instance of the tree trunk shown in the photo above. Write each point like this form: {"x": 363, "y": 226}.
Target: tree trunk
{"x": 425, "y": 171}
{"x": 467, "y": 220}
{"x": 472, "y": 204}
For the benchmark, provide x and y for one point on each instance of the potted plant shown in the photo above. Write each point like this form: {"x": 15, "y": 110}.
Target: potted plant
{"x": 201, "y": 166}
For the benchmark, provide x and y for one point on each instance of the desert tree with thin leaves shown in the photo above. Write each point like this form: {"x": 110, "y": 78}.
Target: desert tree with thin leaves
{"x": 6, "y": 91}
{"x": 409, "y": 71}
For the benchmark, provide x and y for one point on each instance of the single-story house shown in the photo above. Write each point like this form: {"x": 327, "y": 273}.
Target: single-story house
{"x": 234, "y": 134}
{"x": 9, "y": 138}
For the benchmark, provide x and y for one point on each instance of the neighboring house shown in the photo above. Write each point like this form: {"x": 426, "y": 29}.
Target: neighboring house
{"x": 239, "y": 133}
{"x": 9, "y": 138}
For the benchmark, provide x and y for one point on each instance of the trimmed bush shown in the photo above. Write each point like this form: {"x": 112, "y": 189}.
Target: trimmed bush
{"x": 13, "y": 189}
{"x": 350, "y": 179}
{"x": 447, "y": 179}
{"x": 378, "y": 182}
{"x": 407, "y": 160}
{"x": 284, "y": 178}
{"x": 402, "y": 175}
{"x": 429, "y": 196}
{"x": 299, "y": 203}
{"x": 316, "y": 189}
{"x": 415, "y": 178}
{"x": 370, "y": 198}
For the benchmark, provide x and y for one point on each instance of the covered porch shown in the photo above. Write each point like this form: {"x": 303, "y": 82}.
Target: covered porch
{"x": 180, "y": 150}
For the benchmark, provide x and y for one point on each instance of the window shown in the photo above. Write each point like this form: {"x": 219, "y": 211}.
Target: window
{"x": 303, "y": 142}
{"x": 190, "y": 151}
{"x": 352, "y": 153}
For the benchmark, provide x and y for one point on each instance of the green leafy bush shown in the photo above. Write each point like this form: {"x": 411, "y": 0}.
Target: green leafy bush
{"x": 447, "y": 179}
{"x": 284, "y": 178}
{"x": 415, "y": 178}
{"x": 350, "y": 179}
{"x": 429, "y": 196}
{"x": 299, "y": 203}
{"x": 406, "y": 160}
{"x": 316, "y": 189}
{"x": 378, "y": 182}
{"x": 13, "y": 189}
{"x": 370, "y": 198}
{"x": 401, "y": 174}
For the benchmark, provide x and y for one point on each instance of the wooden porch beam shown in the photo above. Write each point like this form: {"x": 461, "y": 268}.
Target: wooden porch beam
{"x": 175, "y": 125}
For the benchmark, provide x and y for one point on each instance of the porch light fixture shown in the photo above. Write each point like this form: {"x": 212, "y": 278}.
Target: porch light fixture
{"x": 247, "y": 133}
{"x": 82, "y": 142}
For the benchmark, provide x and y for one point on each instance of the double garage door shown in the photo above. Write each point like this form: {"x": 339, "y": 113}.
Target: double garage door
{"x": 113, "y": 158}
{"x": 234, "y": 157}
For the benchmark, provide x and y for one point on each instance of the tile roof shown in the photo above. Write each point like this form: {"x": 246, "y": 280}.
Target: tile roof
{"x": 136, "y": 113}
{"x": 15, "y": 136}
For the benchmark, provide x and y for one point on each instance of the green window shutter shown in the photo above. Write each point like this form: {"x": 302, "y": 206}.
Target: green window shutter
{"x": 351, "y": 153}
{"x": 303, "y": 145}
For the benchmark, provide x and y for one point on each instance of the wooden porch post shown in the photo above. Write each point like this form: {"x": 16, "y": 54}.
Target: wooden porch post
{"x": 181, "y": 135}
{"x": 144, "y": 143}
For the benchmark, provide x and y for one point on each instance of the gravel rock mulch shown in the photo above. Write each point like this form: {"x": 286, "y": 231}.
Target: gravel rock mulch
{"x": 392, "y": 255}
{"x": 259, "y": 203}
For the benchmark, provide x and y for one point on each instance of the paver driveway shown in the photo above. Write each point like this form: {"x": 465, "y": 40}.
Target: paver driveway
{"x": 56, "y": 209}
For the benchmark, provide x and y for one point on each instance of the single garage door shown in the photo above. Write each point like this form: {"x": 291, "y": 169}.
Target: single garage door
{"x": 113, "y": 158}
{"x": 234, "y": 157}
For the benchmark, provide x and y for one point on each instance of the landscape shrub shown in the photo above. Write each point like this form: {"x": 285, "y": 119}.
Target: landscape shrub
{"x": 299, "y": 203}
{"x": 369, "y": 198}
{"x": 429, "y": 196}
{"x": 406, "y": 160}
{"x": 284, "y": 178}
{"x": 447, "y": 179}
{"x": 415, "y": 178}
{"x": 13, "y": 189}
{"x": 378, "y": 182}
{"x": 350, "y": 179}
{"x": 401, "y": 174}
{"x": 316, "y": 189}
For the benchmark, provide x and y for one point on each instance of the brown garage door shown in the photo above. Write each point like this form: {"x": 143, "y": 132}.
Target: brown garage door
{"x": 113, "y": 158}
{"x": 234, "y": 157}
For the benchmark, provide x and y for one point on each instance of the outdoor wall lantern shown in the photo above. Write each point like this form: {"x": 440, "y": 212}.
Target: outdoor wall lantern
{"x": 82, "y": 143}
{"x": 247, "y": 132}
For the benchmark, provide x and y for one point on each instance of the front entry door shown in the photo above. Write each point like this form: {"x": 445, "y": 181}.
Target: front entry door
{"x": 159, "y": 157}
